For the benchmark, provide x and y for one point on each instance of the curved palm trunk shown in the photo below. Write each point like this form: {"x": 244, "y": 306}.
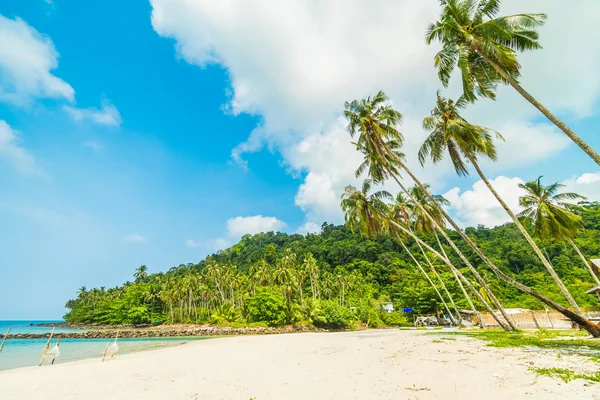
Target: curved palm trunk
{"x": 460, "y": 275}
{"x": 586, "y": 324}
{"x": 547, "y": 113}
{"x": 460, "y": 284}
{"x": 464, "y": 259}
{"x": 529, "y": 239}
{"x": 585, "y": 261}
{"x": 430, "y": 282}
{"x": 439, "y": 278}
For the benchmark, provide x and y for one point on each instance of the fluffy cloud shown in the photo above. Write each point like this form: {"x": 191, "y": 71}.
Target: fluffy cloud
{"x": 107, "y": 114}
{"x": 587, "y": 185}
{"x": 478, "y": 205}
{"x": 134, "y": 238}
{"x": 240, "y": 226}
{"x": 294, "y": 63}
{"x": 15, "y": 155}
{"x": 309, "y": 227}
{"x": 26, "y": 61}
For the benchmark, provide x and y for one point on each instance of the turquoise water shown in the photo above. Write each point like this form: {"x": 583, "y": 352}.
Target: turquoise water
{"x": 19, "y": 353}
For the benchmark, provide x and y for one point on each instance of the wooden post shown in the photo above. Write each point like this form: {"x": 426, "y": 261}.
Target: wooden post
{"x": 549, "y": 319}
{"x": 4, "y": 340}
{"x": 47, "y": 347}
{"x": 537, "y": 325}
{"x": 104, "y": 354}
{"x": 57, "y": 346}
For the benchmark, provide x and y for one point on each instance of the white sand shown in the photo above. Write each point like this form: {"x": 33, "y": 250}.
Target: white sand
{"x": 384, "y": 364}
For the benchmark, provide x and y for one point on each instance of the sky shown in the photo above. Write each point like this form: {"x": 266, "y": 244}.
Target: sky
{"x": 158, "y": 132}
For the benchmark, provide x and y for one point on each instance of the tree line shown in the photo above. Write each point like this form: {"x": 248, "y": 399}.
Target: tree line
{"x": 430, "y": 262}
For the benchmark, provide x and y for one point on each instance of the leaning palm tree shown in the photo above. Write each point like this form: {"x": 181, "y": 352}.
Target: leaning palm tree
{"x": 551, "y": 214}
{"x": 401, "y": 211}
{"x": 364, "y": 211}
{"x": 484, "y": 48}
{"x": 375, "y": 122}
{"x": 423, "y": 224}
{"x": 451, "y": 133}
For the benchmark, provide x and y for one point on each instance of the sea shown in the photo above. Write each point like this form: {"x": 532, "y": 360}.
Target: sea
{"x": 19, "y": 353}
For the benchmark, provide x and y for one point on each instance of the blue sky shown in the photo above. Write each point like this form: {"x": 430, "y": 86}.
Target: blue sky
{"x": 156, "y": 132}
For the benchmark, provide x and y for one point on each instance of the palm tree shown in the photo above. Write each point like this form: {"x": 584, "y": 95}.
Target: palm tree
{"x": 312, "y": 269}
{"x": 465, "y": 141}
{"x": 424, "y": 225}
{"x": 141, "y": 274}
{"x": 551, "y": 214}
{"x": 376, "y": 122}
{"x": 400, "y": 214}
{"x": 484, "y": 48}
{"x": 363, "y": 212}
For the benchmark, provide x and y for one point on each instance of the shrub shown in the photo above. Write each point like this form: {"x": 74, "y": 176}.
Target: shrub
{"x": 333, "y": 316}
{"x": 267, "y": 305}
{"x": 396, "y": 318}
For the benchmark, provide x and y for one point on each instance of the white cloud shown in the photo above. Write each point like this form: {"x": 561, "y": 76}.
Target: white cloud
{"x": 134, "y": 238}
{"x": 309, "y": 227}
{"x": 587, "y": 185}
{"x": 26, "y": 61}
{"x": 479, "y": 206}
{"x": 240, "y": 226}
{"x": 191, "y": 243}
{"x": 15, "y": 155}
{"x": 107, "y": 114}
{"x": 294, "y": 63}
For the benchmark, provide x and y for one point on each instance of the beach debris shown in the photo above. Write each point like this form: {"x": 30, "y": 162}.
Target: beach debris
{"x": 111, "y": 349}
{"x": 418, "y": 389}
{"x": 4, "y": 340}
{"x": 47, "y": 347}
{"x": 54, "y": 352}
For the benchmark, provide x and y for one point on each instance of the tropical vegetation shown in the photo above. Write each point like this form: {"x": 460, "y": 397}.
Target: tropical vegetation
{"x": 402, "y": 248}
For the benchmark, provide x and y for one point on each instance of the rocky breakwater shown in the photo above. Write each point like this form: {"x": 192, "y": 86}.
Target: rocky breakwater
{"x": 165, "y": 332}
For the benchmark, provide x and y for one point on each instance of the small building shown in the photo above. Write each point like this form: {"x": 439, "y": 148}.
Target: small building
{"x": 595, "y": 291}
{"x": 388, "y": 307}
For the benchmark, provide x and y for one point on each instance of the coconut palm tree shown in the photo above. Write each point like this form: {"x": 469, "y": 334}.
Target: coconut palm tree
{"x": 451, "y": 133}
{"x": 312, "y": 269}
{"x": 423, "y": 224}
{"x": 141, "y": 273}
{"x": 364, "y": 212}
{"x": 551, "y": 214}
{"x": 375, "y": 122}
{"x": 401, "y": 212}
{"x": 484, "y": 48}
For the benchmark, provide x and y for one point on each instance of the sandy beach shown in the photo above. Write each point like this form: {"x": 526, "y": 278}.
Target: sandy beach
{"x": 376, "y": 364}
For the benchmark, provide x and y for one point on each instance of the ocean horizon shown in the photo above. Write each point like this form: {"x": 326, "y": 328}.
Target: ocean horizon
{"x": 19, "y": 353}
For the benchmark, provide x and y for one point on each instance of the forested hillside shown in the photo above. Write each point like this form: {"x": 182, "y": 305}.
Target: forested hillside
{"x": 333, "y": 278}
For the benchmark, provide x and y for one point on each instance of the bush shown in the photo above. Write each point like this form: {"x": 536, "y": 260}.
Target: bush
{"x": 396, "y": 318}
{"x": 267, "y": 305}
{"x": 333, "y": 316}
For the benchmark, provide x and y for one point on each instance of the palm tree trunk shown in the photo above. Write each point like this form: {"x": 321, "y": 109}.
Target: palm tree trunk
{"x": 586, "y": 324}
{"x": 464, "y": 259}
{"x": 460, "y": 284}
{"x": 439, "y": 278}
{"x": 446, "y": 261}
{"x": 430, "y": 281}
{"x": 528, "y": 237}
{"x": 547, "y": 113}
{"x": 585, "y": 261}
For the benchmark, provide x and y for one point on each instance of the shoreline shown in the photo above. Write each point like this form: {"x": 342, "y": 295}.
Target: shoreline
{"x": 164, "y": 331}
{"x": 376, "y": 364}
